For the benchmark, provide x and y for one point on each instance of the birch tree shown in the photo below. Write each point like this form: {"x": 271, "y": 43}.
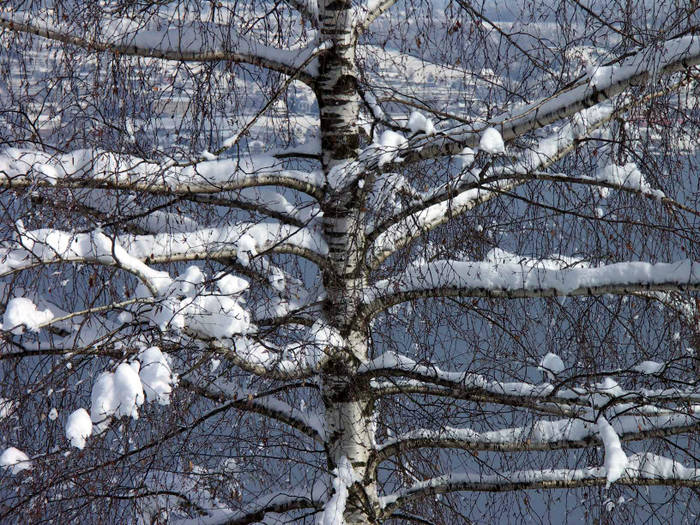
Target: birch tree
{"x": 349, "y": 262}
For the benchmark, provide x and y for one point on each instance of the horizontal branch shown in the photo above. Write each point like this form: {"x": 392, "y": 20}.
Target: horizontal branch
{"x": 253, "y": 205}
{"x": 439, "y": 387}
{"x": 513, "y": 281}
{"x": 642, "y": 469}
{"x": 255, "y": 512}
{"x": 97, "y": 169}
{"x": 194, "y": 43}
{"x": 240, "y": 242}
{"x": 561, "y": 400}
{"x": 541, "y": 435}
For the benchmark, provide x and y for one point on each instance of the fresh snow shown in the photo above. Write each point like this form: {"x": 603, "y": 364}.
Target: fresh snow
{"x": 465, "y": 159}
{"x": 627, "y": 176}
{"x": 522, "y": 278}
{"x": 79, "y": 428}
{"x": 230, "y": 284}
{"x": 615, "y": 458}
{"x": 389, "y": 146}
{"x": 6, "y": 407}
{"x": 552, "y": 262}
{"x": 208, "y": 176}
{"x": 15, "y": 460}
{"x": 540, "y": 434}
{"x": 156, "y": 376}
{"x": 243, "y": 240}
{"x": 343, "y": 477}
{"x": 22, "y": 312}
{"x": 176, "y": 40}
{"x": 117, "y": 394}
{"x": 551, "y": 364}
{"x": 419, "y": 123}
{"x": 649, "y": 367}
{"x": 492, "y": 142}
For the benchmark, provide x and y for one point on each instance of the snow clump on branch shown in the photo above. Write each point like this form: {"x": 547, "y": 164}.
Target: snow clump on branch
{"x": 419, "y": 123}
{"x": 79, "y": 428}
{"x": 15, "y": 460}
{"x": 492, "y": 142}
{"x": 551, "y": 364}
{"x": 21, "y": 312}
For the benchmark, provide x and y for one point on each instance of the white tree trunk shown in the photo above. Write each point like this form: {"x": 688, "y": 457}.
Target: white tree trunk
{"x": 348, "y": 408}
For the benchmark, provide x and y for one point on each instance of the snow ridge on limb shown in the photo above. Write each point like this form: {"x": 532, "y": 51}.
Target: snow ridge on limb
{"x": 89, "y": 168}
{"x": 674, "y": 55}
{"x": 197, "y": 43}
{"x": 542, "y": 434}
{"x": 489, "y": 279}
{"x": 53, "y": 246}
{"x": 641, "y": 469}
{"x": 130, "y": 252}
{"x": 275, "y": 502}
{"x": 574, "y": 401}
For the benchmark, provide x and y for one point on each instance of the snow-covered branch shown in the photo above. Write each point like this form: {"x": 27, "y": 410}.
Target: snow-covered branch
{"x": 640, "y": 68}
{"x": 512, "y": 280}
{"x": 472, "y": 188}
{"x": 641, "y": 469}
{"x": 453, "y": 390}
{"x": 259, "y": 200}
{"x": 52, "y": 246}
{"x": 542, "y": 434}
{"x": 298, "y": 361}
{"x": 241, "y": 242}
{"x": 560, "y": 399}
{"x": 431, "y": 380}
{"x": 255, "y": 512}
{"x": 101, "y": 169}
{"x": 198, "y": 43}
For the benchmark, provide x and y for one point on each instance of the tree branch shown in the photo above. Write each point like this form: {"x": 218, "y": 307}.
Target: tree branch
{"x": 183, "y": 44}
{"x": 277, "y": 503}
{"x": 463, "y": 194}
{"x": 642, "y": 469}
{"x": 377, "y": 9}
{"x": 258, "y": 403}
{"x": 638, "y": 69}
{"x": 104, "y": 170}
{"x": 43, "y": 247}
{"x": 541, "y": 435}
{"x": 513, "y": 281}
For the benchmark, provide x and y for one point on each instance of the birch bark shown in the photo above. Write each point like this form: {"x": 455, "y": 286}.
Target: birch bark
{"x": 349, "y": 408}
